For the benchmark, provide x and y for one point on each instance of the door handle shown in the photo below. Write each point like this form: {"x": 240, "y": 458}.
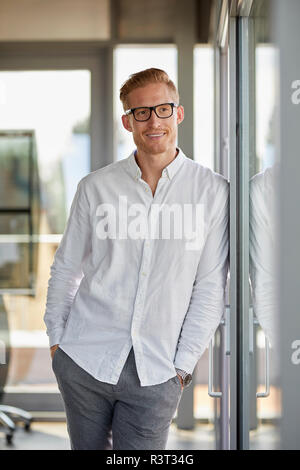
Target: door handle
{"x": 225, "y": 322}
{"x": 211, "y": 393}
{"x": 266, "y": 393}
{"x": 253, "y": 322}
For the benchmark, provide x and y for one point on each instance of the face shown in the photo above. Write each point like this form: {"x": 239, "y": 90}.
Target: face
{"x": 155, "y": 136}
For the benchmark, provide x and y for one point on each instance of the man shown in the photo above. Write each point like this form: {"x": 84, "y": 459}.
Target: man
{"x": 132, "y": 307}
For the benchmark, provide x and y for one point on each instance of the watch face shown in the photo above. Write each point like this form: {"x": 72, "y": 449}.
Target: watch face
{"x": 187, "y": 379}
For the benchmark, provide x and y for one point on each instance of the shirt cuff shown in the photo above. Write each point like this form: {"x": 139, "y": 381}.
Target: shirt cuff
{"x": 186, "y": 360}
{"x": 55, "y": 336}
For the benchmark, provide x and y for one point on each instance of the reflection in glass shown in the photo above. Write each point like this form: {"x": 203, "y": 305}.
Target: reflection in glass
{"x": 263, "y": 230}
{"x": 265, "y": 288}
{"x": 265, "y": 407}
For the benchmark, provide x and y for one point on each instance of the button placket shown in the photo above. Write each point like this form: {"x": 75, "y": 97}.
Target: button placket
{"x": 144, "y": 271}
{"x": 140, "y": 291}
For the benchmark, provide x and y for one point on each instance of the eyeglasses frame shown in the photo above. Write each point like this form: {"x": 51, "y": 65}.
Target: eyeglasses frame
{"x": 152, "y": 108}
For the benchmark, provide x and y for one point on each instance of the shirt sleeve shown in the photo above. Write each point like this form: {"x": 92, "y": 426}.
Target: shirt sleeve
{"x": 66, "y": 271}
{"x": 208, "y": 294}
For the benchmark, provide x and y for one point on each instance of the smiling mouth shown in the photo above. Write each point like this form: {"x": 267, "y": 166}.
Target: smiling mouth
{"x": 156, "y": 135}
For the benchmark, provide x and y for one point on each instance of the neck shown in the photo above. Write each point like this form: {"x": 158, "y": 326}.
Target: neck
{"x": 152, "y": 165}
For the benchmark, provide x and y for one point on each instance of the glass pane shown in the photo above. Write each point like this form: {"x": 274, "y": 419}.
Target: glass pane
{"x": 44, "y": 152}
{"x": 204, "y": 106}
{"x": 264, "y": 390}
{"x": 128, "y": 60}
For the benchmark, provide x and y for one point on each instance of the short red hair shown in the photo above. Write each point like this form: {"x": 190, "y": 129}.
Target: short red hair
{"x": 143, "y": 78}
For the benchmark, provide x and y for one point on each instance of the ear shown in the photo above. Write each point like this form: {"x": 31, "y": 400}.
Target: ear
{"x": 126, "y": 123}
{"x": 180, "y": 114}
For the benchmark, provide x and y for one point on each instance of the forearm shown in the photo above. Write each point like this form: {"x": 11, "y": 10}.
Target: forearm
{"x": 201, "y": 322}
{"x": 67, "y": 268}
{"x": 62, "y": 288}
{"x": 207, "y": 300}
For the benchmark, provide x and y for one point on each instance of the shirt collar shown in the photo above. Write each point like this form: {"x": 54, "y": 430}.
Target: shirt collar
{"x": 170, "y": 170}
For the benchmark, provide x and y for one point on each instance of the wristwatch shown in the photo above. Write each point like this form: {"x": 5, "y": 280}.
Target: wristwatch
{"x": 186, "y": 377}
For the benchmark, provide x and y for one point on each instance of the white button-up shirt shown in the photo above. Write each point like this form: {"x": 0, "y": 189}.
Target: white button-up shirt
{"x": 115, "y": 284}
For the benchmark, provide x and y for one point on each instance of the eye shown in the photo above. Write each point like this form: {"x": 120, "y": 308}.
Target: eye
{"x": 164, "y": 109}
{"x": 141, "y": 112}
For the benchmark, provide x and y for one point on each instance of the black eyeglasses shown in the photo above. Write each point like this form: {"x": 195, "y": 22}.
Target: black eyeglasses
{"x": 143, "y": 113}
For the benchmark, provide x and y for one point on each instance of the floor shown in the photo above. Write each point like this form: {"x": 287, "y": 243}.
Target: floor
{"x": 53, "y": 436}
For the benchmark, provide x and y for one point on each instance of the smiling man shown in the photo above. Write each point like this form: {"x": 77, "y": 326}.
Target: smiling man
{"x": 129, "y": 313}
{"x": 154, "y": 129}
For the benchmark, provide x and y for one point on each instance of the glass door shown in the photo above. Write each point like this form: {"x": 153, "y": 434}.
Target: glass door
{"x": 246, "y": 128}
{"x": 219, "y": 363}
{"x": 258, "y": 392}
{"x": 265, "y": 410}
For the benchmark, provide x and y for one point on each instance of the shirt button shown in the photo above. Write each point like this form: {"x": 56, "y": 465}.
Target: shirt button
{"x": 144, "y": 274}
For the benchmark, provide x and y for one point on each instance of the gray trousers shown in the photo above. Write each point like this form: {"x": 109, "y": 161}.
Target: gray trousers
{"x": 124, "y": 416}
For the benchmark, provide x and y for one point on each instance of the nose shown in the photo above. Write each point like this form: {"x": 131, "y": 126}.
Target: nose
{"x": 153, "y": 118}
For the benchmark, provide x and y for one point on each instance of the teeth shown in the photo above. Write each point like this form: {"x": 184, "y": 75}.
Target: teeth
{"x": 155, "y": 135}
